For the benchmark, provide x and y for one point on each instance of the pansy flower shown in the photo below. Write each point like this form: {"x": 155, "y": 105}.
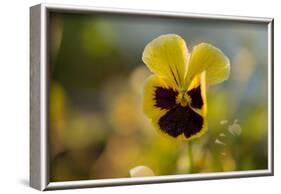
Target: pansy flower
{"x": 174, "y": 96}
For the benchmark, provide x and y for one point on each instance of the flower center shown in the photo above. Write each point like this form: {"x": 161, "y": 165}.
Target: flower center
{"x": 183, "y": 99}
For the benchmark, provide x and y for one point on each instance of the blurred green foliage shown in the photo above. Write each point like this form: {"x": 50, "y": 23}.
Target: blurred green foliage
{"x": 96, "y": 125}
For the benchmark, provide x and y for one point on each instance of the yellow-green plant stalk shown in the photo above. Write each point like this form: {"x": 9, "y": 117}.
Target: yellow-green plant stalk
{"x": 190, "y": 157}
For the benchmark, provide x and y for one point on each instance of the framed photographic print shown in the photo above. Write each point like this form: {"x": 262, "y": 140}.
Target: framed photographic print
{"x": 123, "y": 97}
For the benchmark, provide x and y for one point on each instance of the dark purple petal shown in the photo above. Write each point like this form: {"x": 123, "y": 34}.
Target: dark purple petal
{"x": 165, "y": 98}
{"x": 180, "y": 120}
{"x": 196, "y": 98}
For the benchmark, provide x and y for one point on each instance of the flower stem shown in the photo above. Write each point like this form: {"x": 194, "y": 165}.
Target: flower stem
{"x": 190, "y": 157}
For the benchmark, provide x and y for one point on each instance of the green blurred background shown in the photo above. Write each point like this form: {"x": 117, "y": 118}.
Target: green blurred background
{"x": 97, "y": 128}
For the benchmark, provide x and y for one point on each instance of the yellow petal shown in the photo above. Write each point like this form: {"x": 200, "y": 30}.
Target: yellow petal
{"x": 200, "y": 80}
{"x": 206, "y": 57}
{"x": 167, "y": 57}
{"x": 153, "y": 112}
{"x": 157, "y": 113}
{"x": 203, "y": 130}
{"x": 149, "y": 101}
{"x": 181, "y": 137}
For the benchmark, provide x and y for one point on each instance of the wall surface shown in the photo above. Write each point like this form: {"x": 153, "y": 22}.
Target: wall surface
{"x": 14, "y": 98}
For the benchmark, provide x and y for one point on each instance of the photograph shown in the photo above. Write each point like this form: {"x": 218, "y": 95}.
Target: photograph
{"x": 144, "y": 96}
{"x": 140, "y": 97}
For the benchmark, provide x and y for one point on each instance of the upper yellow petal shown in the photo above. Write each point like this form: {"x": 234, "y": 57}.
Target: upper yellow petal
{"x": 167, "y": 57}
{"x": 206, "y": 57}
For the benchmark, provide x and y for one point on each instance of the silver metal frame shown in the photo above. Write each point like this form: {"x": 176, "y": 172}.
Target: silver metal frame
{"x": 39, "y": 167}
